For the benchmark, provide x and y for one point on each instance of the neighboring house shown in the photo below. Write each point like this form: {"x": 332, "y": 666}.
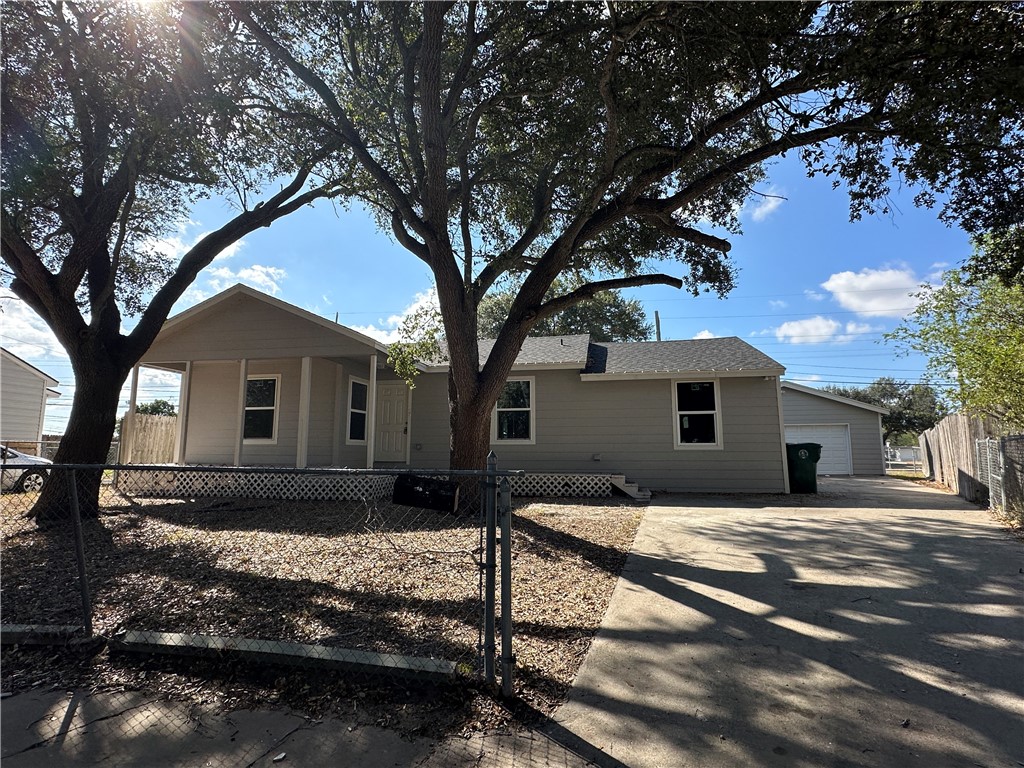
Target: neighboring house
{"x": 849, "y": 431}
{"x": 24, "y": 390}
{"x": 267, "y": 383}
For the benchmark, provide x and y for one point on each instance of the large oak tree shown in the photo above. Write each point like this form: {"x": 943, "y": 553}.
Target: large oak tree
{"x": 618, "y": 140}
{"x": 116, "y": 116}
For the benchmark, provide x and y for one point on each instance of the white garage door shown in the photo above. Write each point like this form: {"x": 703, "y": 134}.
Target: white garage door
{"x": 835, "y": 445}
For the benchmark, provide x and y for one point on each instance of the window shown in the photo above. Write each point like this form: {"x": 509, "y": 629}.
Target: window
{"x": 358, "y": 391}
{"x": 696, "y": 411}
{"x": 513, "y": 415}
{"x": 260, "y": 425}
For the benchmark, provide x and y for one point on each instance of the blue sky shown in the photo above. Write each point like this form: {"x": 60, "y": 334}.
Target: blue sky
{"x": 813, "y": 291}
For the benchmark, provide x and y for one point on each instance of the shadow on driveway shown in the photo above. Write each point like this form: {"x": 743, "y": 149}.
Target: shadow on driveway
{"x": 876, "y": 624}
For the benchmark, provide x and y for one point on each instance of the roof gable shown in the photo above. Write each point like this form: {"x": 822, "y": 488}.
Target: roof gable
{"x": 835, "y": 398}
{"x": 10, "y": 357}
{"x": 243, "y": 322}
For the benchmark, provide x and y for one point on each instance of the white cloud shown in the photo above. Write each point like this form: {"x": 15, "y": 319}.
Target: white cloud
{"x": 814, "y": 295}
{"x": 821, "y": 330}
{"x": 176, "y": 246}
{"x": 767, "y": 204}
{"x": 258, "y": 276}
{"x": 705, "y": 334}
{"x": 874, "y": 292}
{"x": 778, "y": 304}
{"x": 813, "y": 330}
{"x": 853, "y": 330}
{"x": 25, "y": 334}
{"x": 387, "y": 330}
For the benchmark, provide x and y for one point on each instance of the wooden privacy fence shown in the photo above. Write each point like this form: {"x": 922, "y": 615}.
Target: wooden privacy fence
{"x": 949, "y": 452}
{"x": 150, "y": 440}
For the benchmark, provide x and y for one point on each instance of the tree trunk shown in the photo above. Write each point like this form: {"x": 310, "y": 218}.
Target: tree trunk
{"x": 471, "y": 436}
{"x": 86, "y": 440}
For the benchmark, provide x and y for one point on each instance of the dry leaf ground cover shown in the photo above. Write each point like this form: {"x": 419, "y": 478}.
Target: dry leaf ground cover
{"x": 370, "y": 577}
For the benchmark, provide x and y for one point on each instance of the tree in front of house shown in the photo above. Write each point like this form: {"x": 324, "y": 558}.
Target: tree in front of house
{"x": 606, "y": 316}
{"x": 526, "y": 142}
{"x": 913, "y": 408}
{"x": 117, "y": 117}
{"x": 157, "y": 408}
{"x": 972, "y": 332}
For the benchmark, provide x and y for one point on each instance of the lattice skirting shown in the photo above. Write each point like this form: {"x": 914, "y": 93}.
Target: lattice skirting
{"x": 261, "y": 485}
{"x": 173, "y": 483}
{"x": 558, "y": 485}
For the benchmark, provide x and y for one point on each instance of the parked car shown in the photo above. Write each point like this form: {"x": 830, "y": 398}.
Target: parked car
{"x": 24, "y": 478}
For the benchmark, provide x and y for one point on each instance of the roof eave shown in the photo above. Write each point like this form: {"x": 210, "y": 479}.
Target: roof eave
{"x": 682, "y": 374}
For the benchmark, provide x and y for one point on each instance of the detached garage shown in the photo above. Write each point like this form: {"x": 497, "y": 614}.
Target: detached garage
{"x": 849, "y": 431}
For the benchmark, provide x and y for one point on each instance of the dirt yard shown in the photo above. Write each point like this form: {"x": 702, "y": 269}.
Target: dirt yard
{"x": 362, "y": 576}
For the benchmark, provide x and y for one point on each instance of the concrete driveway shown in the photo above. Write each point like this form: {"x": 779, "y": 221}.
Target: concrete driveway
{"x": 879, "y": 623}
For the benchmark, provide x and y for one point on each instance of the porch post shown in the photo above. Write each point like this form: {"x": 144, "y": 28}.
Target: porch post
{"x": 371, "y": 413}
{"x": 128, "y": 428}
{"x": 243, "y": 379}
{"x": 183, "y": 403}
{"x": 302, "y": 450}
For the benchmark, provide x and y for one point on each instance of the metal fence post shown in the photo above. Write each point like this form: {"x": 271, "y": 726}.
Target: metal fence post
{"x": 507, "y": 659}
{"x": 490, "y": 556}
{"x": 83, "y": 582}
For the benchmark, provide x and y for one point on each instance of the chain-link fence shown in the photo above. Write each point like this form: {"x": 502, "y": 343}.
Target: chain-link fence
{"x": 1001, "y": 473}
{"x": 369, "y": 572}
{"x": 47, "y": 449}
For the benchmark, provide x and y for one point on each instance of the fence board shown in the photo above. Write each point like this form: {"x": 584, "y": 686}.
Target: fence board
{"x": 152, "y": 439}
{"x": 950, "y": 452}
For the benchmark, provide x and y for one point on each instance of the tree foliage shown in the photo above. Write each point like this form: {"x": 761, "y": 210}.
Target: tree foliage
{"x": 913, "y": 408}
{"x": 998, "y": 255}
{"x": 618, "y": 140}
{"x": 157, "y": 408}
{"x": 606, "y": 316}
{"x": 116, "y": 118}
{"x": 972, "y": 333}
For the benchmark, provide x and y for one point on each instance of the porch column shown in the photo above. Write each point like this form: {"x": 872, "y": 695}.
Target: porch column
{"x": 128, "y": 427}
{"x": 339, "y": 416}
{"x": 371, "y": 413}
{"x": 243, "y": 378}
{"x": 183, "y": 402}
{"x": 302, "y": 450}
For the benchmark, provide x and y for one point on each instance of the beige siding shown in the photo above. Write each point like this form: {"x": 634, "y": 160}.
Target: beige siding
{"x": 22, "y": 403}
{"x": 321, "y": 412}
{"x": 629, "y": 424}
{"x": 244, "y": 327}
{"x": 865, "y": 426}
{"x": 213, "y": 414}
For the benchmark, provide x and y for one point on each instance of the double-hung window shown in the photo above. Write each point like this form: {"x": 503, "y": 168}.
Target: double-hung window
{"x": 358, "y": 399}
{"x": 513, "y": 420}
{"x": 698, "y": 420}
{"x": 261, "y": 401}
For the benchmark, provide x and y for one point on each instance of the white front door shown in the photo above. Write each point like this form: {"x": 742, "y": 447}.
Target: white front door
{"x": 392, "y": 422}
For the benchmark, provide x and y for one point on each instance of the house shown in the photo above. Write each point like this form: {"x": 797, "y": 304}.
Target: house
{"x": 267, "y": 383}
{"x": 849, "y": 431}
{"x": 24, "y": 391}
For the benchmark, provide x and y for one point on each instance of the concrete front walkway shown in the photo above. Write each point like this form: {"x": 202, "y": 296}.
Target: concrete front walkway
{"x": 879, "y": 623}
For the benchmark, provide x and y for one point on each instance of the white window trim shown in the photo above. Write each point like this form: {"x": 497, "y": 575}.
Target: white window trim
{"x": 277, "y": 409}
{"x": 349, "y": 411}
{"x": 533, "y": 414}
{"x": 680, "y": 446}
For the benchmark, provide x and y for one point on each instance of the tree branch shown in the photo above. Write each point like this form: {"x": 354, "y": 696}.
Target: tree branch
{"x": 589, "y": 290}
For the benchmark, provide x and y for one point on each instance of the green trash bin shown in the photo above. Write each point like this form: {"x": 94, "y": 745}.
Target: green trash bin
{"x": 802, "y": 461}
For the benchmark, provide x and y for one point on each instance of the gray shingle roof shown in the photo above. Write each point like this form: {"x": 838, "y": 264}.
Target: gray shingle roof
{"x": 697, "y": 355}
{"x": 729, "y": 354}
{"x": 547, "y": 350}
